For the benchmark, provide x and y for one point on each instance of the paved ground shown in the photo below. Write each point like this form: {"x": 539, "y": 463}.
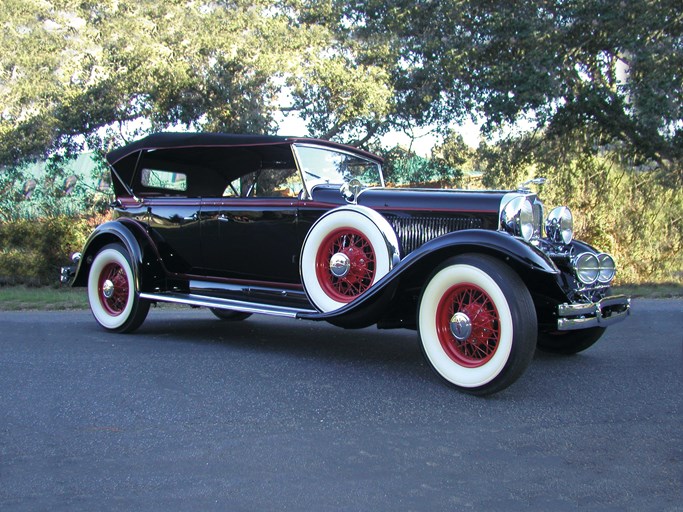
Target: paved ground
{"x": 191, "y": 413}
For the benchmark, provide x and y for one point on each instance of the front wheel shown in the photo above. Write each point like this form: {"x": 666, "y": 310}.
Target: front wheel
{"x": 477, "y": 324}
{"x": 114, "y": 301}
{"x": 569, "y": 342}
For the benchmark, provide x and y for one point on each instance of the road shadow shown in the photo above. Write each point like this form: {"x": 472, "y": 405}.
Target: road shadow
{"x": 396, "y": 351}
{"x": 289, "y": 337}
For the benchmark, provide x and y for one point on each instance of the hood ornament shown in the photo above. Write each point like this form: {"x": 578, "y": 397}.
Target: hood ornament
{"x": 524, "y": 187}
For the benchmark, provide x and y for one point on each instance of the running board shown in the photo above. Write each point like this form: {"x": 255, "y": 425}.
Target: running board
{"x": 192, "y": 299}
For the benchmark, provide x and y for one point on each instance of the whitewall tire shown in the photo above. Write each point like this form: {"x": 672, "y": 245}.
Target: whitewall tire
{"x": 112, "y": 295}
{"x": 344, "y": 254}
{"x": 477, "y": 323}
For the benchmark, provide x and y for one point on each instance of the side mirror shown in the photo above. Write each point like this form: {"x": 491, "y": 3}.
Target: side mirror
{"x": 350, "y": 190}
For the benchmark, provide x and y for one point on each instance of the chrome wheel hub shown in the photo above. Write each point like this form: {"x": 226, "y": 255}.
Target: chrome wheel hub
{"x": 340, "y": 264}
{"x": 108, "y": 289}
{"x": 461, "y": 326}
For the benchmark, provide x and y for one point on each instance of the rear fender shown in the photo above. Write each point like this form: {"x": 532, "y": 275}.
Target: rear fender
{"x": 138, "y": 244}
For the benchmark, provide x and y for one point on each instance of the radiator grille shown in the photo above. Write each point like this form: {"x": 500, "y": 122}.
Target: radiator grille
{"x": 413, "y": 232}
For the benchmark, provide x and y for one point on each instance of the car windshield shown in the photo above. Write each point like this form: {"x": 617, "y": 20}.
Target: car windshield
{"x": 323, "y": 165}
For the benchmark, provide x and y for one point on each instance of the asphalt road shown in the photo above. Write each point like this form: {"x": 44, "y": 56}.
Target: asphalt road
{"x": 191, "y": 413}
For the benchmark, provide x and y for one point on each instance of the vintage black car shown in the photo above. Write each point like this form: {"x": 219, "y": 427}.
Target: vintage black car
{"x": 308, "y": 229}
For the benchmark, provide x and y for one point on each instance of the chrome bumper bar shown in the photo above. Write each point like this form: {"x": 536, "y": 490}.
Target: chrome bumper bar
{"x": 607, "y": 311}
{"x": 66, "y": 274}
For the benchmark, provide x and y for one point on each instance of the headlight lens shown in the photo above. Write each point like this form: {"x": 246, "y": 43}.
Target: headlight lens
{"x": 587, "y": 267}
{"x": 607, "y": 268}
{"x": 560, "y": 225}
{"x": 518, "y": 217}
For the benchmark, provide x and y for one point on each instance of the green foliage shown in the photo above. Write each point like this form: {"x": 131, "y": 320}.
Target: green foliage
{"x": 20, "y": 298}
{"x": 340, "y": 97}
{"x": 76, "y": 73}
{"x": 611, "y": 67}
{"x": 60, "y": 186}
{"x": 32, "y": 251}
{"x": 617, "y": 208}
{"x": 404, "y": 168}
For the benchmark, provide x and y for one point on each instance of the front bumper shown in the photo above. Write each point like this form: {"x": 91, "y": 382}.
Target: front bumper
{"x": 66, "y": 274}
{"x": 607, "y": 311}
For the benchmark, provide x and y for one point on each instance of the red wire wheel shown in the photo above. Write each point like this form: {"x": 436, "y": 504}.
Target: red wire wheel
{"x": 113, "y": 288}
{"x": 345, "y": 252}
{"x": 112, "y": 293}
{"x": 360, "y": 264}
{"x": 481, "y": 337}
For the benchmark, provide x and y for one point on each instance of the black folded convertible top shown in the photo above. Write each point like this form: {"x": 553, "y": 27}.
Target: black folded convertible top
{"x": 170, "y": 140}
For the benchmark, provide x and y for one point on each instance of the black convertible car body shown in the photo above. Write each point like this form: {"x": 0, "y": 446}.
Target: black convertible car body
{"x": 308, "y": 229}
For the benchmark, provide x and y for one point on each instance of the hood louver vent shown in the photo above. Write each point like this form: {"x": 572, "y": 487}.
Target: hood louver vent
{"x": 413, "y": 232}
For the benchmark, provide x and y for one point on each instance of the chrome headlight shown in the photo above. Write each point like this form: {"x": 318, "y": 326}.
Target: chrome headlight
{"x": 607, "y": 268}
{"x": 560, "y": 225}
{"x": 518, "y": 217}
{"x": 587, "y": 267}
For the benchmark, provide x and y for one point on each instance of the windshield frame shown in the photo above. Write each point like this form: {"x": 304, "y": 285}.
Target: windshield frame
{"x": 310, "y": 183}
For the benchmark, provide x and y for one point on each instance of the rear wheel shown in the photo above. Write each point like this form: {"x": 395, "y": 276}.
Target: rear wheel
{"x": 230, "y": 315}
{"x": 114, "y": 301}
{"x": 569, "y": 342}
{"x": 477, "y": 324}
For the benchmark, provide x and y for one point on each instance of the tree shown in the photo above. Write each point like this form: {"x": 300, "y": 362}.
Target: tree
{"x": 455, "y": 154}
{"x": 74, "y": 71}
{"x": 611, "y": 67}
{"x": 405, "y": 168}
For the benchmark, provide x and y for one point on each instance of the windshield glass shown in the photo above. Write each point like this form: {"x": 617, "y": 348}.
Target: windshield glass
{"x": 323, "y": 165}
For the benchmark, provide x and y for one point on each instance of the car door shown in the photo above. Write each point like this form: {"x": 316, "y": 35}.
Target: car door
{"x": 251, "y": 233}
{"x": 172, "y": 218}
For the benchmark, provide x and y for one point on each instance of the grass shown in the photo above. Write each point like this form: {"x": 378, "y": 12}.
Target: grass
{"x": 20, "y": 298}
{"x": 651, "y": 290}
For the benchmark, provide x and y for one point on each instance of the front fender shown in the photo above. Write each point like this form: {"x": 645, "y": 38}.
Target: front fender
{"x": 535, "y": 268}
{"x": 136, "y": 241}
{"x": 497, "y": 243}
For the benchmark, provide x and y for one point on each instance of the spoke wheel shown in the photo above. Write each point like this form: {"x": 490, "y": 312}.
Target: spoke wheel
{"x": 113, "y": 289}
{"x": 356, "y": 263}
{"x": 112, "y": 294}
{"x": 477, "y": 324}
{"x": 345, "y": 253}
{"x": 474, "y": 309}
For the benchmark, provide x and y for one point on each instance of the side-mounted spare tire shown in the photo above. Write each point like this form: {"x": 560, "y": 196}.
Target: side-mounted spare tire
{"x": 345, "y": 252}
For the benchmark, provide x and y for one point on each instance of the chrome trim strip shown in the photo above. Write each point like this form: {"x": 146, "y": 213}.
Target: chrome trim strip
{"x": 571, "y": 324}
{"x": 192, "y": 299}
{"x": 201, "y": 287}
{"x": 603, "y": 313}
